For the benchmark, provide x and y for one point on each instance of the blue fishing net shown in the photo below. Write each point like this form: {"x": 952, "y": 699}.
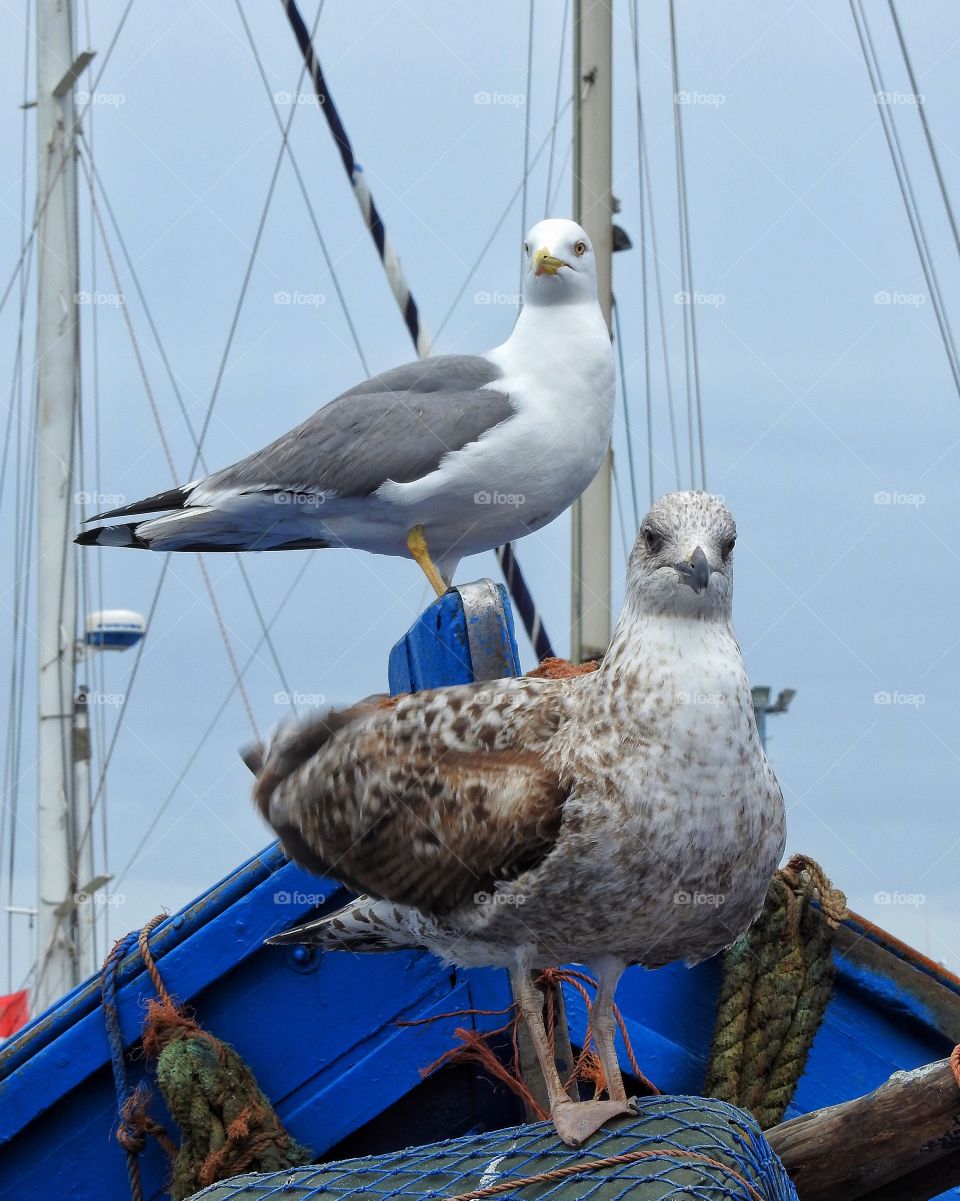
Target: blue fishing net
{"x": 679, "y": 1136}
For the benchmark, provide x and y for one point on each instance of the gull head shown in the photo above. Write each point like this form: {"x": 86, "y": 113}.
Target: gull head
{"x": 682, "y": 560}
{"x": 561, "y": 267}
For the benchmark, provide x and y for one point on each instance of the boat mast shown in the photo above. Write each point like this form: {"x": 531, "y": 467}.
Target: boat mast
{"x": 593, "y": 209}
{"x": 57, "y": 431}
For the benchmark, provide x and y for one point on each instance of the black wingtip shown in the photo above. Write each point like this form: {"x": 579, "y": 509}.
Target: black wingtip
{"x": 112, "y": 535}
{"x": 173, "y": 498}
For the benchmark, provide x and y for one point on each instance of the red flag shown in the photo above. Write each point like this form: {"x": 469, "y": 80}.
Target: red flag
{"x": 14, "y": 1012}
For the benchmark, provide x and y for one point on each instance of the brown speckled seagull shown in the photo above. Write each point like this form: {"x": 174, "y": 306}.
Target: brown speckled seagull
{"x": 628, "y": 815}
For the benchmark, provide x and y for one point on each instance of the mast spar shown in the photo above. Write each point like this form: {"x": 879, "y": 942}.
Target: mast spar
{"x": 57, "y": 432}
{"x": 593, "y": 209}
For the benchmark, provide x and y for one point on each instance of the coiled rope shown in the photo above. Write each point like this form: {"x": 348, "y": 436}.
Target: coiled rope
{"x": 776, "y": 983}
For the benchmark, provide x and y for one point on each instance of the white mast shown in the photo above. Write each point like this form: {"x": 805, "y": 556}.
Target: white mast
{"x": 57, "y": 431}
{"x": 593, "y": 209}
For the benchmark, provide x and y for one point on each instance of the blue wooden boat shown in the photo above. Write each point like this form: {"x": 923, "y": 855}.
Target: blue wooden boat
{"x": 324, "y": 1033}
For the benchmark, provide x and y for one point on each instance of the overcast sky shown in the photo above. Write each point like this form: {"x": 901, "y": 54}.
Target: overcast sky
{"x": 832, "y": 424}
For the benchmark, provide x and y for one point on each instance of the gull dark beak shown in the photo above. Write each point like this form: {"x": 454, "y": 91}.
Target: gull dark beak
{"x": 695, "y": 571}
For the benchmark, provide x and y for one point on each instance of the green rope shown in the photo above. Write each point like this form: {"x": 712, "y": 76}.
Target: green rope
{"x": 776, "y": 983}
{"x": 227, "y": 1124}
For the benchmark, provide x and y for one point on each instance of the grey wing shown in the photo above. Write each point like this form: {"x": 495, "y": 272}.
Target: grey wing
{"x": 396, "y": 426}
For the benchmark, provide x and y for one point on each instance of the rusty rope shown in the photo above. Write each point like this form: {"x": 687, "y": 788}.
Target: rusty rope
{"x": 609, "y": 1161}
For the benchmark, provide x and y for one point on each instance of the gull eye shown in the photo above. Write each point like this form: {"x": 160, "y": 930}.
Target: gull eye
{"x": 726, "y": 547}
{"x": 580, "y": 249}
{"x": 652, "y": 540}
{"x": 526, "y": 248}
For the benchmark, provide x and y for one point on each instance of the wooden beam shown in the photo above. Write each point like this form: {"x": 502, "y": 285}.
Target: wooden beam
{"x": 901, "y": 1129}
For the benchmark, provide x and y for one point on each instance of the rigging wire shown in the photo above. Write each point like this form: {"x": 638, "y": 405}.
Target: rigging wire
{"x": 618, "y": 339}
{"x": 906, "y": 188}
{"x": 191, "y": 759}
{"x": 247, "y": 275}
{"x": 287, "y": 148}
{"x": 499, "y": 223}
{"x": 184, "y": 412}
{"x": 11, "y": 791}
{"x": 686, "y": 270}
{"x": 922, "y": 114}
{"x": 561, "y": 66}
{"x": 644, "y": 274}
{"x": 647, "y": 217}
{"x": 526, "y": 145}
{"x": 151, "y": 399}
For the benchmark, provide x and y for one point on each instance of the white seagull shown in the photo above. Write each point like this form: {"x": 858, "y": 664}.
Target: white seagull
{"x": 628, "y": 815}
{"x": 438, "y": 459}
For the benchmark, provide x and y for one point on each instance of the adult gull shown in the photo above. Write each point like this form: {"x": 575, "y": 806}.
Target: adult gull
{"x": 438, "y": 459}
{"x": 626, "y": 815}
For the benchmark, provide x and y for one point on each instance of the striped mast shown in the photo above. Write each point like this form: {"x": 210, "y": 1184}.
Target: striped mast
{"x": 516, "y": 583}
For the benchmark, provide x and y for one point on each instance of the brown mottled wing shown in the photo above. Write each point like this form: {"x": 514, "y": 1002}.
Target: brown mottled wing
{"x": 424, "y": 804}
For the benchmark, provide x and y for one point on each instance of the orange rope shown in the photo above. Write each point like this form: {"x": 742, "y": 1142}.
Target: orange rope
{"x": 592, "y": 1165}
{"x": 474, "y": 1047}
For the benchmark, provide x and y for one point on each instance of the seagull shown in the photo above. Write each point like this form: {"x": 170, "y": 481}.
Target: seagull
{"x": 622, "y": 816}
{"x": 437, "y": 459}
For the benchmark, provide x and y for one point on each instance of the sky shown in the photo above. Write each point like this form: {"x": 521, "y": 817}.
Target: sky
{"x": 832, "y": 425}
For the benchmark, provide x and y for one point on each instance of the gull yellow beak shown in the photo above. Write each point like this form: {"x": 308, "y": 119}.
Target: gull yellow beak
{"x": 544, "y": 263}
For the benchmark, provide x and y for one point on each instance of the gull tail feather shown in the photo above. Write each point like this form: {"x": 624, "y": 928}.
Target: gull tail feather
{"x": 196, "y": 528}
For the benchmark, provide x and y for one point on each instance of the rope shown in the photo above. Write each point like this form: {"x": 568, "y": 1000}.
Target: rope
{"x": 474, "y": 1047}
{"x": 596, "y": 1165}
{"x": 134, "y": 1124}
{"x": 506, "y": 556}
{"x": 776, "y": 983}
{"x": 227, "y": 1124}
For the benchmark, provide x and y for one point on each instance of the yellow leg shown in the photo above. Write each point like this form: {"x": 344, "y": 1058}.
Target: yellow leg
{"x": 417, "y": 546}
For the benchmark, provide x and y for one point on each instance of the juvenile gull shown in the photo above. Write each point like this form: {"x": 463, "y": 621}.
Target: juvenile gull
{"x": 628, "y": 815}
{"x": 437, "y": 459}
